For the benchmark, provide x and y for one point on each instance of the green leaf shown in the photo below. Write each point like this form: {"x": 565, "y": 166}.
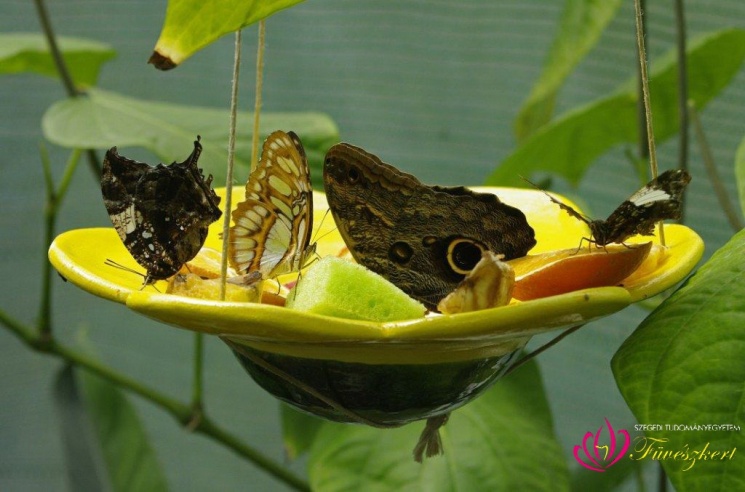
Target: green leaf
{"x": 104, "y": 438}
{"x": 190, "y": 25}
{"x": 29, "y": 52}
{"x": 740, "y": 173}
{"x": 568, "y": 145}
{"x": 611, "y": 479}
{"x": 83, "y": 457}
{"x": 105, "y": 119}
{"x": 684, "y": 365}
{"x": 298, "y": 430}
{"x": 582, "y": 23}
{"x": 502, "y": 441}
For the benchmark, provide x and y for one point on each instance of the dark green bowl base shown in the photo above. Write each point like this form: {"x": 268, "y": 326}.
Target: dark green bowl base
{"x": 384, "y": 394}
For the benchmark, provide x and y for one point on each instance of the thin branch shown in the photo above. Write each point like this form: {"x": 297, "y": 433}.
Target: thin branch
{"x": 711, "y": 170}
{"x": 64, "y": 72}
{"x": 231, "y": 164}
{"x": 46, "y": 167}
{"x": 643, "y": 147}
{"x": 543, "y": 348}
{"x": 59, "y": 61}
{"x": 51, "y": 210}
{"x": 50, "y": 216}
{"x": 64, "y": 184}
{"x": 640, "y": 33}
{"x": 257, "y": 98}
{"x": 682, "y": 94}
{"x": 179, "y": 411}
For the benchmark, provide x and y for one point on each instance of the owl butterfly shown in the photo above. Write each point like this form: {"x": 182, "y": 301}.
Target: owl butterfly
{"x": 161, "y": 213}
{"x": 272, "y": 226}
{"x": 657, "y": 200}
{"x": 424, "y": 239}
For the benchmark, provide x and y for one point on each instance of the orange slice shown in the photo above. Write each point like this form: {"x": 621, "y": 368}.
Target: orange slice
{"x": 567, "y": 270}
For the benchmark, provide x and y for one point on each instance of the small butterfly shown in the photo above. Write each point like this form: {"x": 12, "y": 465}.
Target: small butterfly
{"x": 161, "y": 213}
{"x": 658, "y": 200}
{"x": 272, "y": 226}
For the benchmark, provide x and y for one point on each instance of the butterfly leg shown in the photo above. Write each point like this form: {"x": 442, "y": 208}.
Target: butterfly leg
{"x": 631, "y": 246}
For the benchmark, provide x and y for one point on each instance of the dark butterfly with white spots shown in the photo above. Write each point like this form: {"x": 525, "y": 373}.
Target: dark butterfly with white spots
{"x": 162, "y": 213}
{"x": 658, "y": 200}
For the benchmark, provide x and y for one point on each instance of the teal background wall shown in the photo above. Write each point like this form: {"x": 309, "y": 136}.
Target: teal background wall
{"x": 432, "y": 87}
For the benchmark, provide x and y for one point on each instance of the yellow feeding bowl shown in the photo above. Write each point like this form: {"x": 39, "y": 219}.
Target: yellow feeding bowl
{"x": 379, "y": 373}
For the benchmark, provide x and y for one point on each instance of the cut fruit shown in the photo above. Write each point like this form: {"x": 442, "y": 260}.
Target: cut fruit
{"x": 558, "y": 272}
{"x": 336, "y": 287}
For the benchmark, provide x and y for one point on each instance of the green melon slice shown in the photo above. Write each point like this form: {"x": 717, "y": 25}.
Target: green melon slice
{"x": 339, "y": 288}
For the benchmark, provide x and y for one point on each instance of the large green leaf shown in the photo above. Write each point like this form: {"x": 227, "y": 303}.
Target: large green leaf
{"x": 29, "y": 52}
{"x": 740, "y": 173}
{"x": 106, "y": 446}
{"x": 611, "y": 479}
{"x": 190, "y": 25}
{"x": 568, "y": 145}
{"x": 502, "y": 441}
{"x": 582, "y": 23}
{"x": 104, "y": 119}
{"x": 685, "y": 365}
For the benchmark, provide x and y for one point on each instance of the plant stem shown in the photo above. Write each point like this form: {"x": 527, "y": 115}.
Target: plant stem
{"x": 50, "y": 218}
{"x": 59, "y": 61}
{"x": 179, "y": 411}
{"x": 51, "y": 209}
{"x": 64, "y": 72}
{"x": 64, "y": 184}
{"x": 682, "y": 93}
{"x": 711, "y": 170}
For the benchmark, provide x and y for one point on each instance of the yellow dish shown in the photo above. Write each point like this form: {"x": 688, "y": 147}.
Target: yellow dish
{"x": 458, "y": 346}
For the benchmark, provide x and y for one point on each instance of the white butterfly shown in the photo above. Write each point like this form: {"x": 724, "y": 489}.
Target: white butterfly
{"x": 272, "y": 226}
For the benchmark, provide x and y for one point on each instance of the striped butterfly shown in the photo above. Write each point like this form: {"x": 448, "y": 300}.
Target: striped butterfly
{"x": 272, "y": 226}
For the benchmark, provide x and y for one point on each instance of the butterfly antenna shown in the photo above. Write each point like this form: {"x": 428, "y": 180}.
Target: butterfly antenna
{"x": 316, "y": 238}
{"x": 119, "y": 266}
{"x": 542, "y": 191}
{"x": 146, "y": 278}
{"x": 561, "y": 204}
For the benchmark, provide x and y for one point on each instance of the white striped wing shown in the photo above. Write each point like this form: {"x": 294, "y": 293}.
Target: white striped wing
{"x": 649, "y": 195}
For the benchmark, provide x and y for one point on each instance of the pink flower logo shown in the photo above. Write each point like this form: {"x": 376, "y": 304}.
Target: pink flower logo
{"x": 595, "y": 454}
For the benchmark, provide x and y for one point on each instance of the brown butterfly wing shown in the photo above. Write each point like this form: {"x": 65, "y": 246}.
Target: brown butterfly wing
{"x": 272, "y": 226}
{"x": 423, "y": 239}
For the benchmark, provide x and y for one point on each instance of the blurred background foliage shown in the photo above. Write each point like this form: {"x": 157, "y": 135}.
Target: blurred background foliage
{"x": 432, "y": 87}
